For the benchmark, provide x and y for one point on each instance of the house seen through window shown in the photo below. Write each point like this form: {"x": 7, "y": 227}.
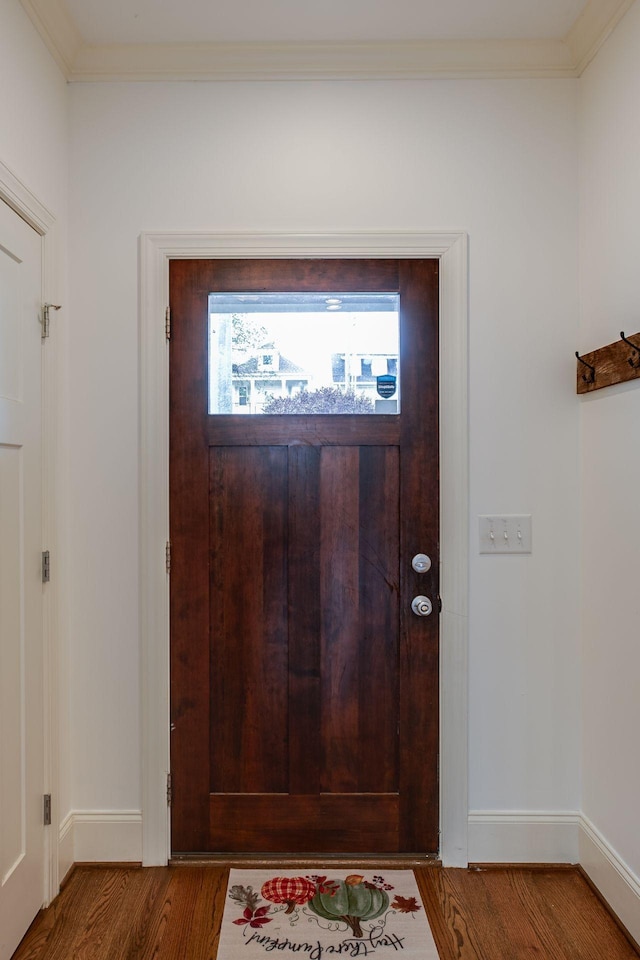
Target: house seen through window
{"x": 292, "y": 353}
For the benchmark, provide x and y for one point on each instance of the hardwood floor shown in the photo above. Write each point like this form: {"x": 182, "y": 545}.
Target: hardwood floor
{"x": 174, "y": 913}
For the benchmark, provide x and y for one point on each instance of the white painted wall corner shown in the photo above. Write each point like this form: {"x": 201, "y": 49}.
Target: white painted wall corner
{"x": 503, "y": 836}
{"x": 616, "y": 882}
{"x": 65, "y": 847}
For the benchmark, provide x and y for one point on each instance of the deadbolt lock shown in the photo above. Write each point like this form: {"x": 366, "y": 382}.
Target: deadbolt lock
{"x": 421, "y": 563}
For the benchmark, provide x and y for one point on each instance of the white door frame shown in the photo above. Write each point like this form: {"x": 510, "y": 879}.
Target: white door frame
{"x": 18, "y": 196}
{"x": 155, "y": 251}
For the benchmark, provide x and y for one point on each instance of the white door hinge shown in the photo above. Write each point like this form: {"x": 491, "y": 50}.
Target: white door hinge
{"x": 167, "y": 323}
{"x": 46, "y": 566}
{"x": 47, "y": 810}
{"x": 46, "y": 317}
{"x": 167, "y": 556}
{"x": 169, "y": 790}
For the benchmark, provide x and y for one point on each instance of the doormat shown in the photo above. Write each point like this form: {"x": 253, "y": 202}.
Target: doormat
{"x": 318, "y": 915}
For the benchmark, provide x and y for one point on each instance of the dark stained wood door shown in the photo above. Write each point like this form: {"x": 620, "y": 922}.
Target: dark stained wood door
{"x": 304, "y": 690}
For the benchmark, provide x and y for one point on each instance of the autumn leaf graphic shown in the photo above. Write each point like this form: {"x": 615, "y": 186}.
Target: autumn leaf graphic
{"x": 405, "y": 904}
{"x": 246, "y": 896}
{"x": 255, "y": 918}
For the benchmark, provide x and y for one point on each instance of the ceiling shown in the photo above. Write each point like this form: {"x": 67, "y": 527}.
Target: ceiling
{"x": 300, "y": 39}
{"x": 275, "y": 21}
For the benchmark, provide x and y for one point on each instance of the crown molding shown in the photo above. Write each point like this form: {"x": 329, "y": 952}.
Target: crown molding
{"x": 407, "y": 60}
{"x": 321, "y": 61}
{"x": 596, "y": 22}
{"x": 57, "y": 28}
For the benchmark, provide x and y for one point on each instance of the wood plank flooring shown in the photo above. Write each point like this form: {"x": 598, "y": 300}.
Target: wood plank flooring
{"x": 174, "y": 913}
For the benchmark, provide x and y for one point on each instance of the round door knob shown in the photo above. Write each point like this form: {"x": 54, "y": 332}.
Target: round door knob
{"x": 421, "y": 606}
{"x": 421, "y": 563}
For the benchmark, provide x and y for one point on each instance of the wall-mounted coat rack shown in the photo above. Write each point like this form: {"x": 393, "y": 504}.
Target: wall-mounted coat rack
{"x": 615, "y": 363}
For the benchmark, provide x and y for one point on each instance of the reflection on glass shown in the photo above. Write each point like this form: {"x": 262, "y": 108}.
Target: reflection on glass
{"x": 292, "y": 353}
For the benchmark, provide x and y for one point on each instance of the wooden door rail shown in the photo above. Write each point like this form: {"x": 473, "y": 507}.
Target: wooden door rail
{"x": 615, "y": 363}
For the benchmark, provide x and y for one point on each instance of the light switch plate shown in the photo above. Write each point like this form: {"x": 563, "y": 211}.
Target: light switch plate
{"x": 505, "y": 534}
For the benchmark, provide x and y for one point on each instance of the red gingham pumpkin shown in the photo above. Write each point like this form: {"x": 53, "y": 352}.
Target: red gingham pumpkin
{"x": 289, "y": 890}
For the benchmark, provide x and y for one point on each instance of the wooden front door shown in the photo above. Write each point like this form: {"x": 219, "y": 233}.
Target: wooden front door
{"x": 304, "y": 690}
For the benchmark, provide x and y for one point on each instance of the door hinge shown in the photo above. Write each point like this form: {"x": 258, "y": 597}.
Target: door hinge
{"x": 167, "y": 556}
{"x": 47, "y": 809}
{"x": 169, "y": 790}
{"x": 46, "y": 566}
{"x": 167, "y": 323}
{"x": 46, "y": 317}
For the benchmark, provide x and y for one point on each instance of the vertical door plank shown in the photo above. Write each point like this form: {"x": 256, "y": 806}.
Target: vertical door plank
{"x": 249, "y": 709}
{"x": 304, "y": 620}
{"x": 340, "y": 719}
{"x": 419, "y": 495}
{"x": 379, "y": 547}
{"x": 189, "y": 584}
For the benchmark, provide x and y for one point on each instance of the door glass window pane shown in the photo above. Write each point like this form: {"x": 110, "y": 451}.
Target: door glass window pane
{"x": 295, "y": 353}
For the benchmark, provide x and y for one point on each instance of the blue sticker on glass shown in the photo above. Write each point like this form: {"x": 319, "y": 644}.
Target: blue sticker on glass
{"x": 386, "y": 385}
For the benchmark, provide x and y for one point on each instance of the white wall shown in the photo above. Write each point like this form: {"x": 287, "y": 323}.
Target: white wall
{"x": 34, "y": 128}
{"x": 497, "y": 159}
{"x": 610, "y": 429}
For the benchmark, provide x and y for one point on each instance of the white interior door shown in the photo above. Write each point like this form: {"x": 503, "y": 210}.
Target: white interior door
{"x": 21, "y": 657}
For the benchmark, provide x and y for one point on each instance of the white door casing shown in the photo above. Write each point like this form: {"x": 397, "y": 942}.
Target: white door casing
{"x": 30, "y": 208}
{"x": 156, "y": 249}
{"x": 22, "y": 852}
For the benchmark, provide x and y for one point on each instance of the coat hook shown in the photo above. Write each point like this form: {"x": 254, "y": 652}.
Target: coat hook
{"x": 634, "y": 360}
{"x": 592, "y": 376}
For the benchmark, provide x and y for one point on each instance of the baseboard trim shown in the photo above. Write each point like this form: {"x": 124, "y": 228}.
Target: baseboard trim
{"x": 523, "y": 837}
{"x": 563, "y": 837}
{"x": 65, "y": 848}
{"x": 495, "y": 837}
{"x": 616, "y": 883}
{"x": 100, "y": 836}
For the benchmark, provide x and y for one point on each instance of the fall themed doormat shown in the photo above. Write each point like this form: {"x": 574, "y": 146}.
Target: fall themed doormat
{"x": 354, "y": 913}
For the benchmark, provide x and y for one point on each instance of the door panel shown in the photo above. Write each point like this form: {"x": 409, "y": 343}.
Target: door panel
{"x": 248, "y": 496}
{"x": 358, "y": 574}
{"x": 284, "y": 823}
{"x": 304, "y": 691}
{"x": 21, "y": 719}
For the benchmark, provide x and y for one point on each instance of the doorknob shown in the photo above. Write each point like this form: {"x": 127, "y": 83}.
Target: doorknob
{"x": 421, "y": 563}
{"x": 421, "y": 606}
